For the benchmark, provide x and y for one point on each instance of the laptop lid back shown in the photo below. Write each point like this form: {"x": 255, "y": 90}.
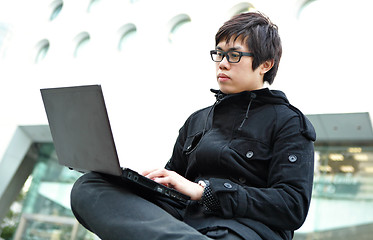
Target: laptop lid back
{"x": 81, "y": 129}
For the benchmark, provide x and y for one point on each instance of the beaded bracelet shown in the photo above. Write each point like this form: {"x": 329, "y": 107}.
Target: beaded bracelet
{"x": 208, "y": 200}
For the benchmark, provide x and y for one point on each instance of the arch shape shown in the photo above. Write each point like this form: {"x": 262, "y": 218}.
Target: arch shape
{"x": 42, "y": 48}
{"x": 241, "y": 8}
{"x": 56, "y": 7}
{"x": 92, "y": 5}
{"x": 176, "y": 23}
{"x": 81, "y": 40}
{"x": 301, "y": 4}
{"x": 126, "y": 33}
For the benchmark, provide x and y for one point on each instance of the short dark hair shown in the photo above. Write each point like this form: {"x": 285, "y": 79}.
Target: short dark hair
{"x": 261, "y": 36}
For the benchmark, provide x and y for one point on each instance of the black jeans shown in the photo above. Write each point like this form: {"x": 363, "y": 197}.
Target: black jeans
{"x": 114, "y": 211}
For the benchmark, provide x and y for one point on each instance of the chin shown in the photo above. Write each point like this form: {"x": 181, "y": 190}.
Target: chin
{"x": 227, "y": 91}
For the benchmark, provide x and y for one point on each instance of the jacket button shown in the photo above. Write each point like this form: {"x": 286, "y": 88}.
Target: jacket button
{"x": 292, "y": 158}
{"x": 189, "y": 147}
{"x": 249, "y": 154}
{"x": 228, "y": 185}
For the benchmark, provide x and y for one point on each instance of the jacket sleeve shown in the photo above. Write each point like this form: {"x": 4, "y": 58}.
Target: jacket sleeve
{"x": 284, "y": 203}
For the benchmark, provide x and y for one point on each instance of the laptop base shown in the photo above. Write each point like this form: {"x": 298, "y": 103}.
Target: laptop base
{"x": 135, "y": 177}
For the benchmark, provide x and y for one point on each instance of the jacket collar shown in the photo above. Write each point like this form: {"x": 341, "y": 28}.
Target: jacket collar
{"x": 265, "y": 95}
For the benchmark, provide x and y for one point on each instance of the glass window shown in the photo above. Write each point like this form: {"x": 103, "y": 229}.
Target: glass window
{"x": 42, "y": 49}
{"x": 3, "y": 33}
{"x": 179, "y": 28}
{"x": 306, "y": 4}
{"x": 82, "y": 41}
{"x": 241, "y": 8}
{"x": 344, "y": 172}
{"x": 56, "y": 9}
{"x": 42, "y": 210}
{"x": 4, "y": 36}
{"x": 127, "y": 37}
{"x": 342, "y": 199}
{"x": 92, "y": 5}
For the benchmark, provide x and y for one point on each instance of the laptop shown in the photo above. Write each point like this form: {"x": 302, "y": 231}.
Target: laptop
{"x": 83, "y": 139}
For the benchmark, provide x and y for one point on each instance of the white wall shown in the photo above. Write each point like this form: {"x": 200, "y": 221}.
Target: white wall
{"x": 151, "y": 89}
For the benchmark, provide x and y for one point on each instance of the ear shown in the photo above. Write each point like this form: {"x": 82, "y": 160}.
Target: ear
{"x": 266, "y": 66}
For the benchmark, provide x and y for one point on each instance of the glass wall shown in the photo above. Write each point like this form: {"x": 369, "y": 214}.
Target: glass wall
{"x": 44, "y": 211}
{"x": 342, "y": 203}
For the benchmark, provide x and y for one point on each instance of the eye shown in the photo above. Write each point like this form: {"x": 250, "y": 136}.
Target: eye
{"x": 219, "y": 53}
{"x": 234, "y": 54}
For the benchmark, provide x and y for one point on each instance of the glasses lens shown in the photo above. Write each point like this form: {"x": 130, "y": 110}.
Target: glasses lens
{"x": 234, "y": 56}
{"x": 216, "y": 55}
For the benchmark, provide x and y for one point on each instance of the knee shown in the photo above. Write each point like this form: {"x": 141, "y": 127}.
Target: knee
{"x": 77, "y": 189}
{"x": 85, "y": 189}
{"x": 81, "y": 196}
{"x": 82, "y": 187}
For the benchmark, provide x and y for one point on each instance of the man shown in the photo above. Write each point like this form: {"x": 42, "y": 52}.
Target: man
{"x": 246, "y": 161}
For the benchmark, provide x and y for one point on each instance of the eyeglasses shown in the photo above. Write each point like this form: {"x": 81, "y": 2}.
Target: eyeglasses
{"x": 232, "y": 56}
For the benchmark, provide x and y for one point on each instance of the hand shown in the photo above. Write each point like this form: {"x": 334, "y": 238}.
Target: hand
{"x": 174, "y": 180}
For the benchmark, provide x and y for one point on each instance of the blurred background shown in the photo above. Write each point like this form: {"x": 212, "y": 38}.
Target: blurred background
{"x": 152, "y": 60}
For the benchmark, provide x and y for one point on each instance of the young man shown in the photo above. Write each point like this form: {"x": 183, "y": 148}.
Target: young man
{"x": 246, "y": 161}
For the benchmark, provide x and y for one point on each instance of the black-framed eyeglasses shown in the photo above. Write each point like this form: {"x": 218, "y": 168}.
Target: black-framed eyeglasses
{"x": 232, "y": 56}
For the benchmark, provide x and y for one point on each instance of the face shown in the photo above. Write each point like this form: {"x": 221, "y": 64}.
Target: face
{"x": 238, "y": 77}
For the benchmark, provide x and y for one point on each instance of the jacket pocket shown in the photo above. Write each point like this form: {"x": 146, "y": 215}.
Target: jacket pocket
{"x": 250, "y": 149}
{"x": 191, "y": 143}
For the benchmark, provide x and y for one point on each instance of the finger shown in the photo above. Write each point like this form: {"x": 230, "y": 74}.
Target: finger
{"x": 166, "y": 181}
{"x": 157, "y": 173}
{"x": 146, "y": 172}
{"x": 153, "y": 172}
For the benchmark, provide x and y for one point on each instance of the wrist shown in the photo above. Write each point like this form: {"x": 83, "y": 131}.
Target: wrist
{"x": 198, "y": 192}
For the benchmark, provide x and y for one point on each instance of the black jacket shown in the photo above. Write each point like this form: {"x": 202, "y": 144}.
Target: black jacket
{"x": 257, "y": 152}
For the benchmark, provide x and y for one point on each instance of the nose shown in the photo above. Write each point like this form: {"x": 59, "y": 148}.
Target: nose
{"x": 224, "y": 64}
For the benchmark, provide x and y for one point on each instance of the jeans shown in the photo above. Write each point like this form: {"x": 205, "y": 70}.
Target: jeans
{"x": 114, "y": 210}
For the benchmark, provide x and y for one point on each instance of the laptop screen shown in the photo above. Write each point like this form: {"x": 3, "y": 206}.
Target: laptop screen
{"x": 80, "y": 128}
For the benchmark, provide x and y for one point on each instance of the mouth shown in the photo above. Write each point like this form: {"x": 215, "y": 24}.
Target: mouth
{"x": 223, "y": 77}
